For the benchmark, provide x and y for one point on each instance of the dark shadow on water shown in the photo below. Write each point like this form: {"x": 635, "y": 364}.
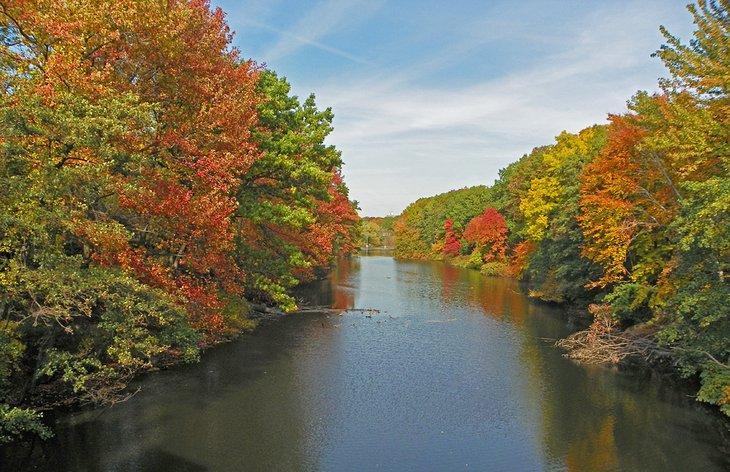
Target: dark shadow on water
{"x": 153, "y": 460}
{"x": 45, "y": 457}
{"x": 112, "y": 438}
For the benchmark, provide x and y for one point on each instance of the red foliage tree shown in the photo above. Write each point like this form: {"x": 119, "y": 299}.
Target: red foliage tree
{"x": 165, "y": 106}
{"x": 488, "y": 233}
{"x": 333, "y": 234}
{"x": 452, "y": 245}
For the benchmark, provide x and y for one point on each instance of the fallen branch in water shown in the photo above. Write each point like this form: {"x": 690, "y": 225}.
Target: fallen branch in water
{"x": 604, "y": 343}
{"x": 336, "y": 311}
{"x": 318, "y": 309}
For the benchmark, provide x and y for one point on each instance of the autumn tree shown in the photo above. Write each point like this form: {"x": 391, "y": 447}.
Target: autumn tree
{"x": 420, "y": 227}
{"x": 152, "y": 180}
{"x": 654, "y": 202}
{"x": 610, "y": 220}
{"x": 118, "y": 155}
{"x": 452, "y": 244}
{"x": 694, "y": 139}
{"x": 547, "y": 251}
{"x": 487, "y": 234}
{"x": 511, "y": 188}
{"x": 410, "y": 243}
{"x": 371, "y": 234}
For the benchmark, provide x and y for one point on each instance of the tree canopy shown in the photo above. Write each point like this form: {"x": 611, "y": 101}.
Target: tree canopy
{"x": 154, "y": 182}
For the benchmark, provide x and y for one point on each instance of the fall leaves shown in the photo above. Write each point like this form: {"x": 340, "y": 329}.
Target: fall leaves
{"x": 488, "y": 234}
{"x": 156, "y": 116}
{"x": 139, "y": 152}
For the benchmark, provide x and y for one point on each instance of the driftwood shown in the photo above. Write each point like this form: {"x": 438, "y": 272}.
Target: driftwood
{"x": 335, "y": 311}
{"x": 319, "y": 309}
{"x": 604, "y": 343}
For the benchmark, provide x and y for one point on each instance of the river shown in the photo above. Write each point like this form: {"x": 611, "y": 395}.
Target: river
{"x": 454, "y": 371}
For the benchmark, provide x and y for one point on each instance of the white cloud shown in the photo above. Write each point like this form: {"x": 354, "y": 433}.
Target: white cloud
{"x": 427, "y": 139}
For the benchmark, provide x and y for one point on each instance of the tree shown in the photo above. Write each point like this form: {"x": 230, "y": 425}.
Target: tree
{"x": 452, "y": 244}
{"x": 694, "y": 137}
{"x": 549, "y": 252}
{"x": 488, "y": 234}
{"x": 293, "y": 214}
{"x": 701, "y": 66}
{"x": 697, "y": 319}
{"x": 371, "y": 232}
{"x": 420, "y": 229}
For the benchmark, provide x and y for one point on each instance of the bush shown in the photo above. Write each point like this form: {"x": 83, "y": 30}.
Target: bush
{"x": 18, "y": 422}
{"x": 495, "y": 268}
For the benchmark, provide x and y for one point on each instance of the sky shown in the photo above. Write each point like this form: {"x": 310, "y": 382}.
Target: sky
{"x": 431, "y": 96}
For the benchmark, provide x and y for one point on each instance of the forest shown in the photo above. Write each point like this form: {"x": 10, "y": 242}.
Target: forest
{"x": 155, "y": 185}
{"x": 630, "y": 219}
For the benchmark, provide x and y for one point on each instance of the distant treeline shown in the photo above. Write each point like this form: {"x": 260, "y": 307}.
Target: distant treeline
{"x": 634, "y": 215}
{"x": 154, "y": 183}
{"x": 377, "y": 231}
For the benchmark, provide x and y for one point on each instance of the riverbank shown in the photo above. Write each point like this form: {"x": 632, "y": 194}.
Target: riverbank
{"x": 22, "y": 421}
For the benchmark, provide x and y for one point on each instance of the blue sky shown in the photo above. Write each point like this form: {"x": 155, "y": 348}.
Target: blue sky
{"x": 430, "y": 96}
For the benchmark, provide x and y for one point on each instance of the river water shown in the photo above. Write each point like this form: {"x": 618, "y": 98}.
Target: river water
{"x": 454, "y": 371}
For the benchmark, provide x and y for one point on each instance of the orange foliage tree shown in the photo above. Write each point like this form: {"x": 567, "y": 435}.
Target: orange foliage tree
{"x": 628, "y": 198}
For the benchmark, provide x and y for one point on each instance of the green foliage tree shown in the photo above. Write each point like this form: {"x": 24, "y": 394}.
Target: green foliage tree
{"x": 695, "y": 136}
{"x": 697, "y": 317}
{"x": 372, "y": 234}
{"x": 281, "y": 197}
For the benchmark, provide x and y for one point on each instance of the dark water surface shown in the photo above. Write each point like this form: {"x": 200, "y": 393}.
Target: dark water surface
{"x": 456, "y": 372}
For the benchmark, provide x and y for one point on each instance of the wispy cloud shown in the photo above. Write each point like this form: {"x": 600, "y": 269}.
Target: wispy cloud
{"x": 326, "y": 17}
{"x": 291, "y": 42}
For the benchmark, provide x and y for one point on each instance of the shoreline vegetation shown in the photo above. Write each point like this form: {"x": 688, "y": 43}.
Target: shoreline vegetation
{"x": 157, "y": 189}
{"x": 630, "y": 220}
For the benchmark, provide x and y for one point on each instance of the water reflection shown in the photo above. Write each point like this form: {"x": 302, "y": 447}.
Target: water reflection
{"x": 456, "y": 372}
{"x": 588, "y": 418}
{"x": 337, "y": 290}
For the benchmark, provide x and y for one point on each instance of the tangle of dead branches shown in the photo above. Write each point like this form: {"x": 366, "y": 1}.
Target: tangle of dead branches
{"x": 605, "y": 343}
